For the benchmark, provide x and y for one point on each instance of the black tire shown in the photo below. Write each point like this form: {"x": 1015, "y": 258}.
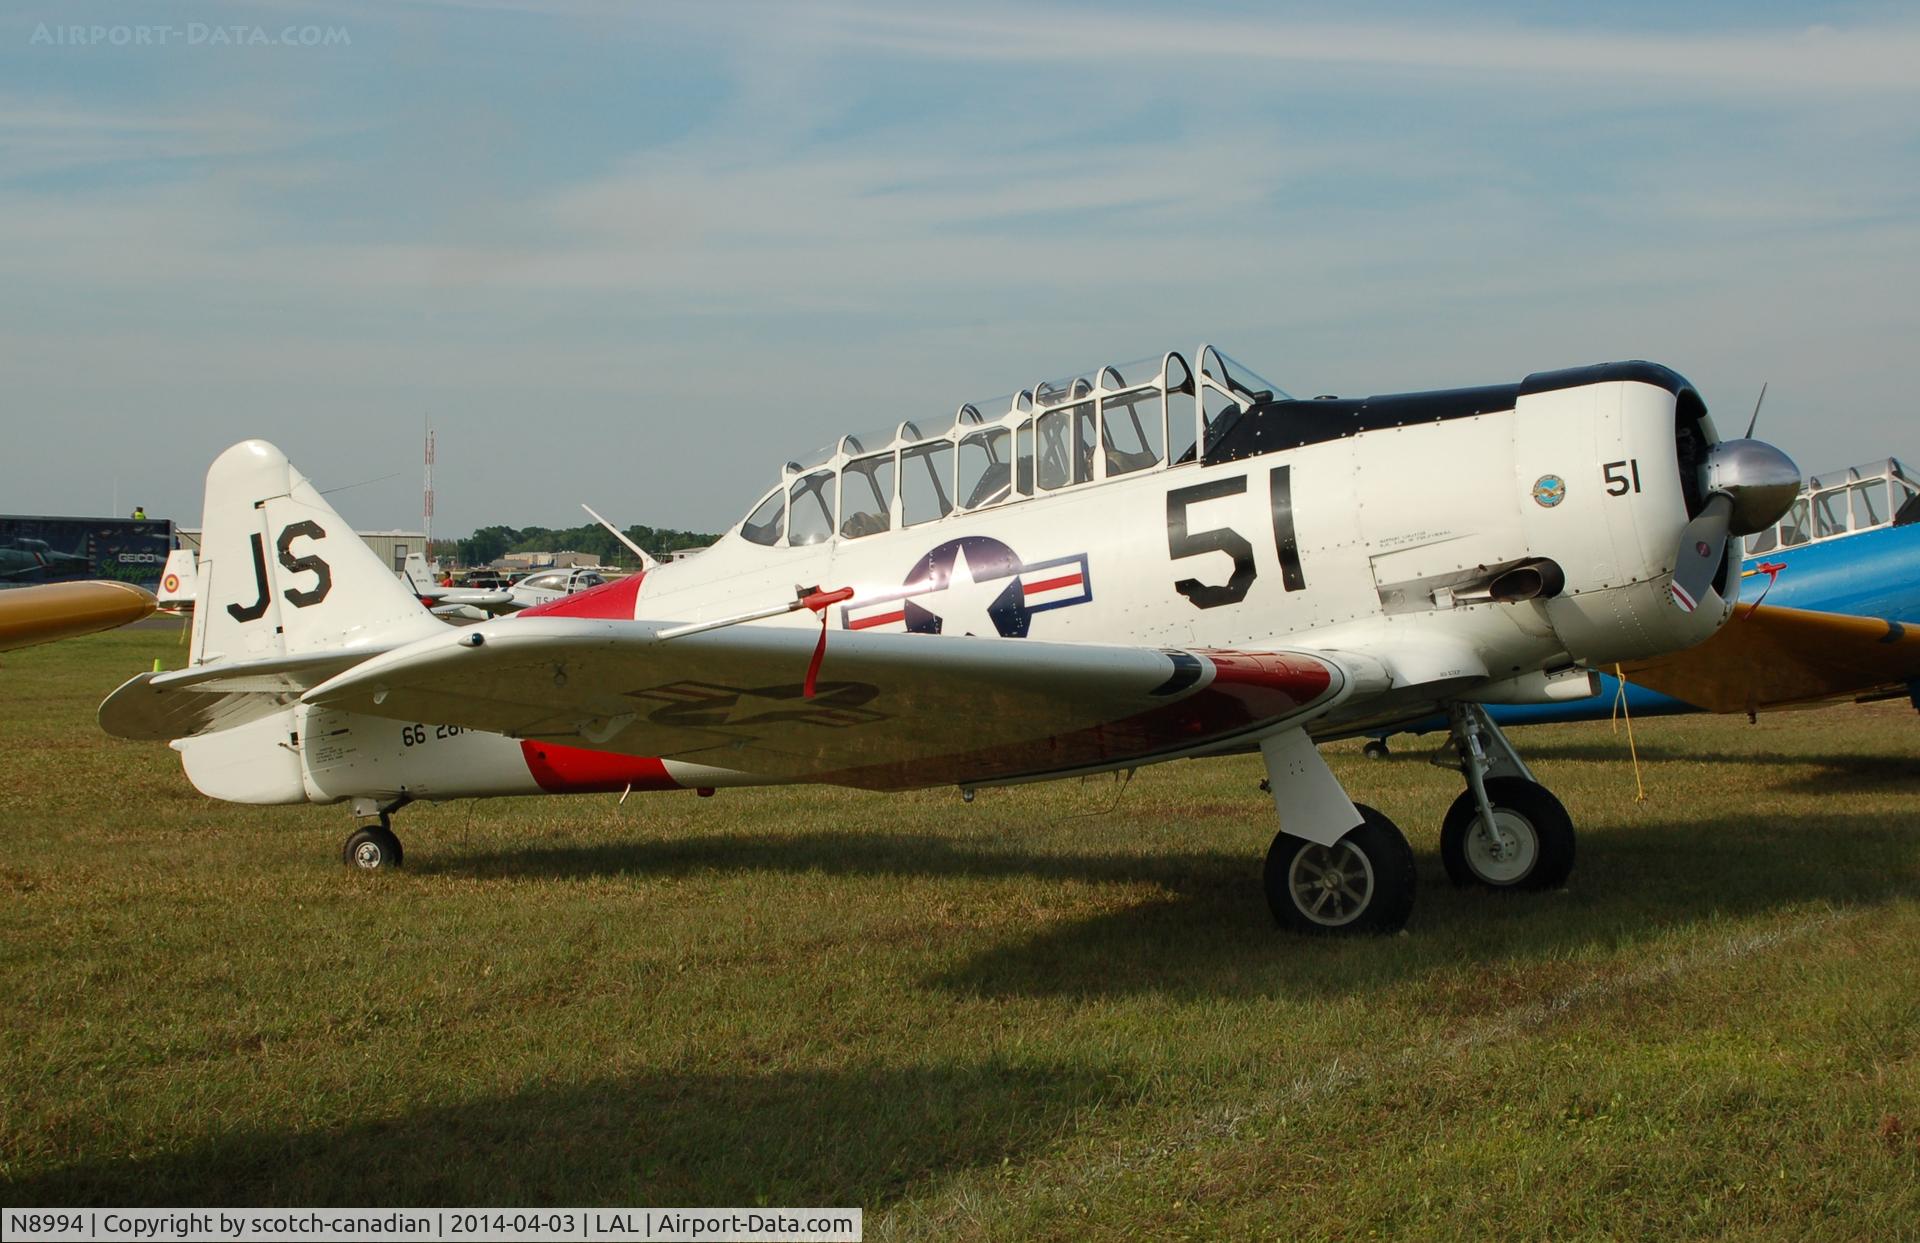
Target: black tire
{"x": 1377, "y": 893}
{"x": 374, "y": 849}
{"x": 1534, "y": 849}
{"x": 1376, "y": 749}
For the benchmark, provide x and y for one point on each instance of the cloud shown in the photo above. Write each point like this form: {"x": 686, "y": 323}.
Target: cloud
{"x": 1877, "y": 58}
{"x": 881, "y": 209}
{"x": 39, "y": 136}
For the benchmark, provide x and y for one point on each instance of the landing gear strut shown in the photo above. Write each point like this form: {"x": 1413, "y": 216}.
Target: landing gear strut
{"x": 374, "y": 847}
{"x": 1507, "y": 832}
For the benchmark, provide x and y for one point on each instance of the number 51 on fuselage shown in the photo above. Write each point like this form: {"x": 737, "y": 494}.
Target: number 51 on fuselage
{"x": 1147, "y": 562}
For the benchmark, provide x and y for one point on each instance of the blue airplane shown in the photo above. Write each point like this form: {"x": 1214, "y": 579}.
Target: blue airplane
{"x": 1830, "y": 609}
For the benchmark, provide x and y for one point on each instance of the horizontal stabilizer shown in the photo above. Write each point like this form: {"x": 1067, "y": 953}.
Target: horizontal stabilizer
{"x": 162, "y": 706}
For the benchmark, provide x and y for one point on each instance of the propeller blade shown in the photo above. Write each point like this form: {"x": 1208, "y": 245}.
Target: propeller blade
{"x": 1755, "y": 420}
{"x": 1702, "y": 545}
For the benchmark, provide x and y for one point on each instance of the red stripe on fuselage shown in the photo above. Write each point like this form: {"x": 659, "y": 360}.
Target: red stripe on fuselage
{"x": 1065, "y": 580}
{"x": 575, "y": 770}
{"x": 618, "y": 600}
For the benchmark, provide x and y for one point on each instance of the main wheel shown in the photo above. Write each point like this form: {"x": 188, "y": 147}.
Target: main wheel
{"x": 373, "y": 849}
{"x": 1362, "y": 883}
{"x": 1530, "y": 845}
{"x": 1376, "y": 749}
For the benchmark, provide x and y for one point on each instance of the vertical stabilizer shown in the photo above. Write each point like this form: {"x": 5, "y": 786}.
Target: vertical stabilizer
{"x": 282, "y": 574}
{"x": 177, "y": 580}
{"x": 416, "y": 575}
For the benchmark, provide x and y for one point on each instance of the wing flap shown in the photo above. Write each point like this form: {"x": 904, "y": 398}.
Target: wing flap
{"x": 891, "y": 711}
{"x": 1770, "y": 657}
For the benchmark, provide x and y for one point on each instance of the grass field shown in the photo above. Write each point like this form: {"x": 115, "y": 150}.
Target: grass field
{"x": 1061, "y": 1011}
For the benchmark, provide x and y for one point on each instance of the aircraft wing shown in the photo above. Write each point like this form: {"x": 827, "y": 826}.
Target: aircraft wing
{"x": 892, "y": 711}
{"x": 449, "y": 599}
{"x": 42, "y": 614}
{"x": 1770, "y": 657}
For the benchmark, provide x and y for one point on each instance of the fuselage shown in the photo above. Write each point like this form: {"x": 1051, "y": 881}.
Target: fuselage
{"x": 1491, "y": 539}
{"x": 1867, "y": 574}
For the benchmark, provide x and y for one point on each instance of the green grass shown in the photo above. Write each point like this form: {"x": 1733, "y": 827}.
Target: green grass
{"x": 1062, "y": 1011}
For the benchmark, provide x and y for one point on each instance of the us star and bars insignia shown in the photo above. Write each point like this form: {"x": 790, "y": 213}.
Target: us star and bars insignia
{"x": 709, "y": 705}
{"x": 974, "y": 585}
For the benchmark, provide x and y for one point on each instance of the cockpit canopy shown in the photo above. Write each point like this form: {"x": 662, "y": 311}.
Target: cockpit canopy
{"x": 1840, "y": 503}
{"x": 1072, "y": 432}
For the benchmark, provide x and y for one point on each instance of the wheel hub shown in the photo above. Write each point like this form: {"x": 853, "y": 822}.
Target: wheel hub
{"x": 367, "y": 855}
{"x": 1504, "y": 851}
{"x": 1331, "y": 885}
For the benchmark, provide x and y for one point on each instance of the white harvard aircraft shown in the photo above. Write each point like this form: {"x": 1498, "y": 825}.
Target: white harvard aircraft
{"x": 1145, "y": 563}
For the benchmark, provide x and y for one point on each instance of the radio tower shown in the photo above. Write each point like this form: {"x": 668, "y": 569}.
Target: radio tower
{"x": 427, "y": 498}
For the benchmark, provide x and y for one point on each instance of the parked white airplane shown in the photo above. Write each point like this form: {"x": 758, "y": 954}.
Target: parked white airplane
{"x": 464, "y": 603}
{"x": 1144, "y": 563}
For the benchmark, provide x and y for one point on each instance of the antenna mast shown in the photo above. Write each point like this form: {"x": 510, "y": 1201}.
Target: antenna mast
{"x": 426, "y": 512}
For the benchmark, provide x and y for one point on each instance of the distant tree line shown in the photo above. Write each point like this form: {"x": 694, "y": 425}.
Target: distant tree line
{"x": 491, "y": 543}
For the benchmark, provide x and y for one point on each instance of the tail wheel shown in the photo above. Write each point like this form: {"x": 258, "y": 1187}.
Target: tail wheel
{"x": 374, "y": 849}
{"x": 1529, "y": 845}
{"x": 1363, "y": 883}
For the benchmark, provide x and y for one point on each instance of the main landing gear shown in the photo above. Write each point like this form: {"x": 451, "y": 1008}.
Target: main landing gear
{"x": 1507, "y": 832}
{"x": 374, "y": 847}
{"x": 1327, "y": 875}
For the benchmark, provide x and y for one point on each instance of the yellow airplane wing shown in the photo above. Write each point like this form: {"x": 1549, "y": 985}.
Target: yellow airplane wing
{"x": 52, "y": 611}
{"x": 1770, "y": 657}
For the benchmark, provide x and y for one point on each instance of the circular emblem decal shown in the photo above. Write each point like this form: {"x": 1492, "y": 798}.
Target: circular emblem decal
{"x": 173, "y": 583}
{"x": 1549, "y": 490}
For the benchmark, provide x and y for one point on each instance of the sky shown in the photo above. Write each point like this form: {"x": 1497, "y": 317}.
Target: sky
{"x": 637, "y": 255}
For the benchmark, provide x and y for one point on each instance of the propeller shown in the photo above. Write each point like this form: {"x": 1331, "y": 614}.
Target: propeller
{"x": 1755, "y": 420}
{"x": 1702, "y": 545}
{"x": 1749, "y": 484}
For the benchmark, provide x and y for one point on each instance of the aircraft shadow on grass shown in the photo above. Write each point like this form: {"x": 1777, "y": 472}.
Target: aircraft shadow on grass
{"x": 860, "y": 1136}
{"x": 1613, "y": 750}
{"x": 1207, "y": 933}
{"x": 1838, "y": 771}
{"x": 1849, "y": 771}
